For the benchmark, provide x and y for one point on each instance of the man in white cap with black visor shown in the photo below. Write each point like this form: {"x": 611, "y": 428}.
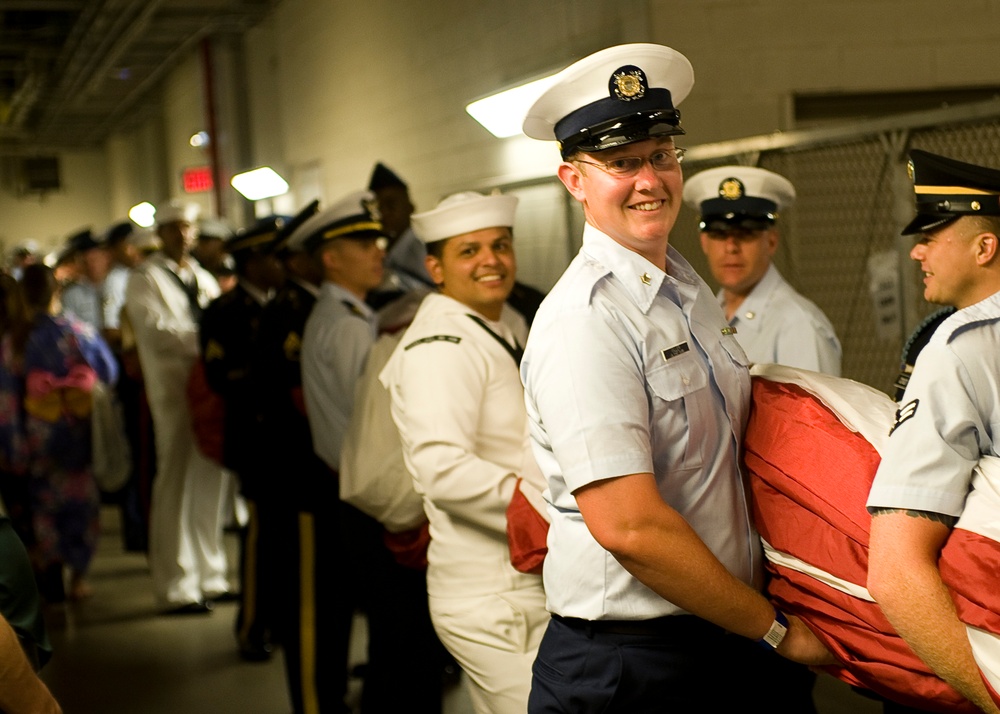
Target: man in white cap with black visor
{"x": 459, "y": 405}
{"x": 739, "y": 207}
{"x": 637, "y": 395}
{"x": 936, "y": 482}
{"x": 349, "y": 241}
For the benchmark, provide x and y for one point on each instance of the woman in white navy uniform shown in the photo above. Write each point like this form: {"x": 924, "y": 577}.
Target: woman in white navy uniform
{"x": 458, "y": 403}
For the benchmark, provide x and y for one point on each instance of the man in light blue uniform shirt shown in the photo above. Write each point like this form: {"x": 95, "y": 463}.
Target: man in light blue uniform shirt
{"x": 637, "y": 394}
{"x": 947, "y": 418}
{"x": 84, "y": 297}
{"x": 739, "y": 207}
{"x": 349, "y": 240}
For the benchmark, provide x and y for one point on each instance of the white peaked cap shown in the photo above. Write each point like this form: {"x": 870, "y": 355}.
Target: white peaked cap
{"x": 738, "y": 189}
{"x": 176, "y": 211}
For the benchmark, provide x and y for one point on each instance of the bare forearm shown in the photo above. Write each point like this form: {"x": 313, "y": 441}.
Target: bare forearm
{"x": 906, "y": 583}
{"x": 658, "y": 546}
{"x": 21, "y": 691}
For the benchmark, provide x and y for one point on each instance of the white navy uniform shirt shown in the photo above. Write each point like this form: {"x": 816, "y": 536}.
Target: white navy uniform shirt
{"x": 775, "y": 324}
{"x": 459, "y": 406}
{"x": 339, "y": 333}
{"x": 114, "y": 296}
{"x": 947, "y": 418}
{"x": 632, "y": 370}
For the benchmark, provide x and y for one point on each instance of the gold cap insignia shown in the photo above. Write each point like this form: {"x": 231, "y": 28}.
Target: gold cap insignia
{"x": 292, "y": 346}
{"x": 628, "y": 83}
{"x": 214, "y": 351}
{"x": 731, "y": 189}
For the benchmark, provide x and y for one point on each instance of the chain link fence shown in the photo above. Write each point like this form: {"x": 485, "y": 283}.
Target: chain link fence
{"x": 840, "y": 244}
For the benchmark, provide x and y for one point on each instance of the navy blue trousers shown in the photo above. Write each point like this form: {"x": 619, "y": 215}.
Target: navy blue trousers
{"x": 687, "y": 665}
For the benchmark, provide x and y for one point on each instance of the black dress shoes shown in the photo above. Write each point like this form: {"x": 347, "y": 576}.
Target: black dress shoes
{"x": 202, "y": 607}
{"x": 228, "y": 596}
{"x": 255, "y": 651}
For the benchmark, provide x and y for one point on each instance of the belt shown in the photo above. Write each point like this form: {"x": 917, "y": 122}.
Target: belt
{"x": 669, "y": 626}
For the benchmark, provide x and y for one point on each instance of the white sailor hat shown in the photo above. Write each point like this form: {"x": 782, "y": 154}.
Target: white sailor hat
{"x": 355, "y": 216}
{"x": 462, "y": 213}
{"x": 617, "y": 96}
{"x": 176, "y": 212}
{"x": 145, "y": 240}
{"x": 741, "y": 196}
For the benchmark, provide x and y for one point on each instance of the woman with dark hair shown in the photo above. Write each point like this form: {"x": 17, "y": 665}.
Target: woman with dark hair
{"x": 63, "y": 358}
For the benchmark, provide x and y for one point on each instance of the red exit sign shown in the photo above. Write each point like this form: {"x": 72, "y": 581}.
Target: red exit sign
{"x": 197, "y": 179}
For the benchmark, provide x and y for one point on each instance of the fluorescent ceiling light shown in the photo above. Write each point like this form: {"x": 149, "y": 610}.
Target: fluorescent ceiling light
{"x": 142, "y": 214}
{"x": 503, "y": 113}
{"x": 260, "y": 183}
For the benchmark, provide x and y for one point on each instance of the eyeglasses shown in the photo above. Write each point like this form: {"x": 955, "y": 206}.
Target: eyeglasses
{"x": 627, "y": 166}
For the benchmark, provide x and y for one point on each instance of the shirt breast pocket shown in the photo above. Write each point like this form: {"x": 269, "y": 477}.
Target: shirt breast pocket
{"x": 679, "y": 388}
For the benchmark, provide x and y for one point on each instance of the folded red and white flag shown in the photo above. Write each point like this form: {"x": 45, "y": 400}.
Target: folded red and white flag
{"x": 812, "y": 447}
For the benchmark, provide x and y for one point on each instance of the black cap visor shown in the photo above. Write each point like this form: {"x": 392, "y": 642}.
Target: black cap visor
{"x": 925, "y": 223}
{"x": 623, "y": 130}
{"x": 722, "y": 222}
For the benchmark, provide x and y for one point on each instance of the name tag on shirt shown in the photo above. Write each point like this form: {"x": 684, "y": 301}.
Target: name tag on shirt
{"x": 675, "y": 351}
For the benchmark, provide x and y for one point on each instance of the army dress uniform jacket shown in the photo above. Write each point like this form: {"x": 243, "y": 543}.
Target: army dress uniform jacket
{"x": 228, "y": 335}
{"x": 287, "y": 439}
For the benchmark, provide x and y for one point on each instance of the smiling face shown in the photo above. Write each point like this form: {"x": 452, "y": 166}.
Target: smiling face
{"x": 638, "y": 211}
{"x": 477, "y": 269}
{"x": 952, "y": 258}
{"x": 738, "y": 258}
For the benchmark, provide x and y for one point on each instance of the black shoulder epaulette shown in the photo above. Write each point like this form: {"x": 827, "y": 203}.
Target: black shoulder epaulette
{"x": 355, "y": 310}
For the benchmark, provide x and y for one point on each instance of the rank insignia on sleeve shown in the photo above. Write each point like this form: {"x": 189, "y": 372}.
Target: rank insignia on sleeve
{"x": 213, "y": 351}
{"x": 292, "y": 346}
{"x": 903, "y": 413}
{"x": 434, "y": 338}
{"x": 674, "y": 351}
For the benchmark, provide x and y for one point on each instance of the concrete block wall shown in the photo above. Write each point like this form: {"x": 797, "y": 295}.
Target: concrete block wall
{"x": 332, "y": 86}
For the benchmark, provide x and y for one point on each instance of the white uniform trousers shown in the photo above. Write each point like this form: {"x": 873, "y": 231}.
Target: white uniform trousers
{"x": 495, "y": 639}
{"x": 187, "y": 510}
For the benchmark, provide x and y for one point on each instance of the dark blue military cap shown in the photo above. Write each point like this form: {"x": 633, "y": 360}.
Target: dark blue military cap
{"x": 947, "y": 189}
{"x": 81, "y": 241}
{"x": 282, "y": 243}
{"x": 383, "y": 177}
{"x": 258, "y": 237}
{"x": 118, "y": 232}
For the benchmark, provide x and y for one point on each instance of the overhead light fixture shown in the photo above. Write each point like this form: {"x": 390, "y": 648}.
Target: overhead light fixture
{"x": 199, "y": 140}
{"x": 142, "y": 214}
{"x": 503, "y": 113}
{"x": 260, "y": 183}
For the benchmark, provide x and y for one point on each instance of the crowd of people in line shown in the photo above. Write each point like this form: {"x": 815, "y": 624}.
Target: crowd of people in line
{"x": 582, "y": 539}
